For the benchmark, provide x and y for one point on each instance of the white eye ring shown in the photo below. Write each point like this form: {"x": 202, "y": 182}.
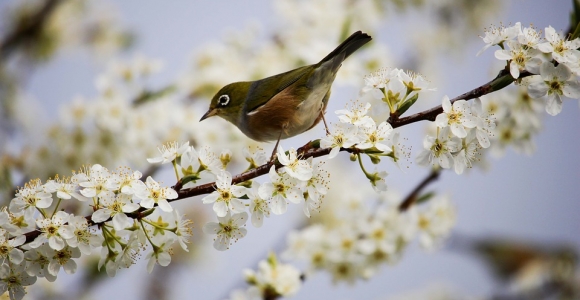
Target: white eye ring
{"x": 223, "y": 100}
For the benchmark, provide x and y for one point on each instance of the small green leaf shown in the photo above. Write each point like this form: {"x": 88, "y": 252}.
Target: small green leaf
{"x": 147, "y": 96}
{"x": 188, "y": 178}
{"x": 425, "y": 197}
{"x": 576, "y": 32}
{"x": 374, "y": 159}
{"x": 403, "y": 107}
{"x": 575, "y": 20}
{"x": 315, "y": 144}
{"x": 501, "y": 82}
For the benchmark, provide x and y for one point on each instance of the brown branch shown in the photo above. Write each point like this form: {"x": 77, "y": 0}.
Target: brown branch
{"x": 312, "y": 149}
{"x": 305, "y": 152}
{"x": 502, "y": 80}
{"x": 28, "y": 28}
{"x": 414, "y": 195}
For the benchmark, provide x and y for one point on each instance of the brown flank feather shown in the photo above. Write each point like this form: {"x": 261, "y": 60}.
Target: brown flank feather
{"x": 275, "y": 117}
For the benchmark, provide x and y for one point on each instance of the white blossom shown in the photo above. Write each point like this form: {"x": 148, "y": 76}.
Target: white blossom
{"x": 115, "y": 207}
{"x": 9, "y": 250}
{"x": 161, "y": 252}
{"x": 316, "y": 188}
{"x": 96, "y": 182}
{"x": 153, "y": 194}
{"x": 342, "y": 135}
{"x": 31, "y": 196}
{"x": 284, "y": 279}
{"x": 556, "y": 82}
{"x": 63, "y": 258}
{"x": 521, "y": 58}
{"x": 498, "y": 35}
{"x": 169, "y": 152}
{"x": 255, "y": 157}
{"x": 435, "y": 221}
{"x": 13, "y": 280}
{"x": 375, "y": 136}
{"x": 259, "y": 208}
{"x": 126, "y": 182}
{"x": 356, "y": 116}
{"x": 281, "y": 188}
{"x": 296, "y": 168}
{"x": 79, "y": 235}
{"x": 562, "y": 51}
{"x": 229, "y": 227}
{"x": 52, "y": 230}
{"x": 37, "y": 261}
{"x": 457, "y": 116}
{"x": 225, "y": 198}
{"x": 438, "y": 150}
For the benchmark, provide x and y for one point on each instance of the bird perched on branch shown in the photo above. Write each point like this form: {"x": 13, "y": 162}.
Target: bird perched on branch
{"x": 283, "y": 105}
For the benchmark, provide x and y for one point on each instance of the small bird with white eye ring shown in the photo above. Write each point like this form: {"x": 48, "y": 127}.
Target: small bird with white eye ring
{"x": 283, "y": 105}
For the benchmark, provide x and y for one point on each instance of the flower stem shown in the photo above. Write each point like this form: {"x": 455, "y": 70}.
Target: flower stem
{"x": 147, "y": 236}
{"x": 387, "y": 100}
{"x": 174, "y": 162}
{"x": 56, "y": 207}
{"x": 362, "y": 166}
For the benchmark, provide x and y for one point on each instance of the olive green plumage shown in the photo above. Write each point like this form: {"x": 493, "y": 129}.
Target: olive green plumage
{"x": 283, "y": 105}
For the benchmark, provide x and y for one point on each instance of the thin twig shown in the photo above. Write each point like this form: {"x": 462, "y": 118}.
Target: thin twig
{"x": 312, "y": 149}
{"x": 432, "y": 113}
{"x": 414, "y": 195}
{"x": 28, "y": 28}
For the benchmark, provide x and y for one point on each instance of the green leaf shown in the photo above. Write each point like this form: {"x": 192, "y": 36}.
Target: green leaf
{"x": 403, "y": 107}
{"x": 147, "y": 96}
{"x": 575, "y": 19}
{"x": 188, "y": 178}
{"x": 425, "y": 197}
{"x": 501, "y": 82}
{"x": 374, "y": 159}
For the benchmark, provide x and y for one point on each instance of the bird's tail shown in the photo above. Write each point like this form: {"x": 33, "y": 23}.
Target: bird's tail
{"x": 346, "y": 48}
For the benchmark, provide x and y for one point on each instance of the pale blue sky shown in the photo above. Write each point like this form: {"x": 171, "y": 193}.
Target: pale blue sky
{"x": 534, "y": 198}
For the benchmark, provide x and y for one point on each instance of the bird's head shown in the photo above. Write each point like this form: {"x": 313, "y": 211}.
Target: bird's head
{"x": 228, "y": 103}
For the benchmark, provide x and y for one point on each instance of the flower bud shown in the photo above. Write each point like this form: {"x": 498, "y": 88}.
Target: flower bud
{"x": 226, "y": 157}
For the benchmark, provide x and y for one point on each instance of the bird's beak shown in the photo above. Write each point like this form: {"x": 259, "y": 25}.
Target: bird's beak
{"x": 211, "y": 112}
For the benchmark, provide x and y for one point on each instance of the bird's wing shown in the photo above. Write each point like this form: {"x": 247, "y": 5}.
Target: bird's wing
{"x": 261, "y": 91}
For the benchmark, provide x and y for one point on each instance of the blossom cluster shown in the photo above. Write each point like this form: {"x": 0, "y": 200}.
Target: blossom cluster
{"x": 358, "y": 242}
{"x": 462, "y": 130}
{"x": 510, "y": 118}
{"x": 398, "y": 89}
{"x": 115, "y": 127}
{"x": 298, "y": 181}
{"x": 39, "y": 238}
{"x": 69, "y": 25}
{"x": 273, "y": 279}
{"x": 554, "y": 59}
{"x": 359, "y": 131}
{"x": 518, "y": 119}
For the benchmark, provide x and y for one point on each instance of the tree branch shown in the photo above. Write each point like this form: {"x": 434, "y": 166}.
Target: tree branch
{"x": 502, "y": 80}
{"x": 28, "y": 28}
{"x": 414, "y": 195}
{"x": 312, "y": 149}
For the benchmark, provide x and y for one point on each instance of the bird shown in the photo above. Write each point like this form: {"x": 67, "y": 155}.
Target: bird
{"x": 287, "y": 104}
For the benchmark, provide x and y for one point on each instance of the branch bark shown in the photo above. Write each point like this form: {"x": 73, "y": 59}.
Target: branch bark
{"x": 414, "y": 195}
{"x": 312, "y": 149}
{"x": 28, "y": 29}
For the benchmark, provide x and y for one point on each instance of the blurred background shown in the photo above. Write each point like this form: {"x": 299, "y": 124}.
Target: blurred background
{"x": 85, "y": 82}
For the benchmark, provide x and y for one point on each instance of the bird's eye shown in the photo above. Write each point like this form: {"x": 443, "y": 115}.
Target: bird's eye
{"x": 223, "y": 100}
